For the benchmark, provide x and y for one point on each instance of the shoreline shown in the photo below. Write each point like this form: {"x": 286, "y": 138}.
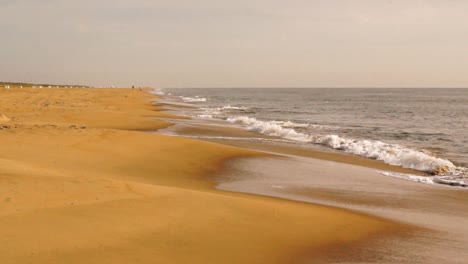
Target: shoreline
{"x": 74, "y": 164}
{"x": 420, "y": 151}
{"x": 218, "y": 132}
{"x": 438, "y": 211}
{"x": 446, "y": 211}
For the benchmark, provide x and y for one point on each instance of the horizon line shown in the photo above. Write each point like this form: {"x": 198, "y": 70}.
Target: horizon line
{"x": 316, "y": 87}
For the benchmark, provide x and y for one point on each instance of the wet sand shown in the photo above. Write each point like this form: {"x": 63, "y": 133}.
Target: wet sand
{"x": 81, "y": 182}
{"x": 442, "y": 211}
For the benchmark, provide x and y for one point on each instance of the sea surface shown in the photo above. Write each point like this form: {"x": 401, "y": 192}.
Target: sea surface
{"x": 421, "y": 129}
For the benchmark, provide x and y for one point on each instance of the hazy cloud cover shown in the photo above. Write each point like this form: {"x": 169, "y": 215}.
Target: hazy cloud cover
{"x": 243, "y": 43}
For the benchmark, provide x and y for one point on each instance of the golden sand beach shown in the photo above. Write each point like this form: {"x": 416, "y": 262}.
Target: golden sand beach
{"x": 83, "y": 181}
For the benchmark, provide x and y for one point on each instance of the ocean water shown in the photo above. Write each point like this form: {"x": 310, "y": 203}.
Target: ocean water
{"x": 421, "y": 129}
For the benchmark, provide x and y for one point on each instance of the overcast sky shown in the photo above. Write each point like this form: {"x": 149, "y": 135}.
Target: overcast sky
{"x": 237, "y": 43}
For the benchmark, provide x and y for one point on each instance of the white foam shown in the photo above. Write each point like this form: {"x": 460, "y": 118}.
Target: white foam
{"x": 204, "y": 116}
{"x": 392, "y": 154}
{"x": 290, "y": 124}
{"x": 445, "y": 180}
{"x": 217, "y": 112}
{"x": 416, "y": 178}
{"x": 157, "y": 92}
{"x": 269, "y": 128}
{"x": 229, "y": 107}
{"x": 195, "y": 99}
{"x": 211, "y": 111}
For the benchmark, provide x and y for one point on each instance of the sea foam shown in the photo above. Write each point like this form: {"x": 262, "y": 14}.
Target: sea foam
{"x": 392, "y": 154}
{"x": 230, "y": 107}
{"x": 270, "y": 128}
{"x": 445, "y": 180}
{"x": 195, "y": 99}
{"x": 157, "y": 92}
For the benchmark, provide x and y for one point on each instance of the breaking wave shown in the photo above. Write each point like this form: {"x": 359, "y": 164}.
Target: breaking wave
{"x": 270, "y": 128}
{"x": 392, "y": 154}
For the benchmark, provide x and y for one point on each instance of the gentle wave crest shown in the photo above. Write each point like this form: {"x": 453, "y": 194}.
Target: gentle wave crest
{"x": 195, "y": 99}
{"x": 224, "y": 109}
{"x": 157, "y": 92}
{"x": 230, "y": 107}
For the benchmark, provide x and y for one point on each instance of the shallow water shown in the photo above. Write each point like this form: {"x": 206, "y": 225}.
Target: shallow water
{"x": 440, "y": 210}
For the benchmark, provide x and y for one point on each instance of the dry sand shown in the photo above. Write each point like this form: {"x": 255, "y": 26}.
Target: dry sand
{"x": 80, "y": 182}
